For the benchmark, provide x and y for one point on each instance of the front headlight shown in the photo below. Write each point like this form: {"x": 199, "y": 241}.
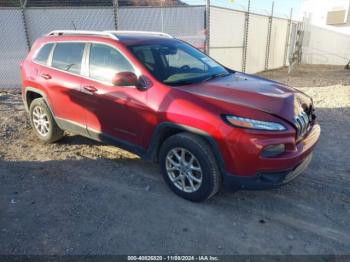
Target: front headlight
{"x": 254, "y": 124}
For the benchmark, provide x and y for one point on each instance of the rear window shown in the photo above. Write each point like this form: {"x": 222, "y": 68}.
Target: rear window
{"x": 68, "y": 57}
{"x": 42, "y": 55}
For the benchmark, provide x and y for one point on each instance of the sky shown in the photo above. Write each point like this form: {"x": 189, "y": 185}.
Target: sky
{"x": 282, "y": 7}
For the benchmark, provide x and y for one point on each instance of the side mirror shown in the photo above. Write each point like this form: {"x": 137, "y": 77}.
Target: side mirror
{"x": 125, "y": 79}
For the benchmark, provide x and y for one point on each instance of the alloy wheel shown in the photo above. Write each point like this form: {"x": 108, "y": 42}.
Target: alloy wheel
{"x": 184, "y": 170}
{"x": 41, "y": 121}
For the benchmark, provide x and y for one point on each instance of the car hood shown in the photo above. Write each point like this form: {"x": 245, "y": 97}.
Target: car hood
{"x": 256, "y": 93}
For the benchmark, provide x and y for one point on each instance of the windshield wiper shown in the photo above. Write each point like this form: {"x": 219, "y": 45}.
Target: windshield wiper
{"x": 180, "y": 83}
{"x": 211, "y": 77}
{"x": 193, "y": 81}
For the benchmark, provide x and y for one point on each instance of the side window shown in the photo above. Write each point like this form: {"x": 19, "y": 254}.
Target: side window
{"x": 68, "y": 57}
{"x": 105, "y": 62}
{"x": 43, "y": 54}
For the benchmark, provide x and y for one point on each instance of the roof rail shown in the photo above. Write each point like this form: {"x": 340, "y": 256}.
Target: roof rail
{"x": 83, "y": 32}
{"x": 141, "y": 32}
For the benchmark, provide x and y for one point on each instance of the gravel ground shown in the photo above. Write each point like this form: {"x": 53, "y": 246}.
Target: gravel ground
{"x": 311, "y": 76}
{"x": 81, "y": 197}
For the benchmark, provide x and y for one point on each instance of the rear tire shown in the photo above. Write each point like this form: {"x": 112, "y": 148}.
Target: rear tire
{"x": 189, "y": 167}
{"x": 43, "y": 123}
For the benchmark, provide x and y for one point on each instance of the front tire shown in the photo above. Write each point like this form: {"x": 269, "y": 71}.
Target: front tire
{"x": 189, "y": 167}
{"x": 43, "y": 123}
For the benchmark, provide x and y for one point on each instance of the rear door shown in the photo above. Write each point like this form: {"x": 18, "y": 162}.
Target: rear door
{"x": 62, "y": 79}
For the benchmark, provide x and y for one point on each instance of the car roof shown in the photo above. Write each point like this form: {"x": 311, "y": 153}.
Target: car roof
{"x": 122, "y": 36}
{"x": 132, "y": 40}
{"x": 137, "y": 37}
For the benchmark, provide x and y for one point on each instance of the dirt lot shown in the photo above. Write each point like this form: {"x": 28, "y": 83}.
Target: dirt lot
{"x": 82, "y": 197}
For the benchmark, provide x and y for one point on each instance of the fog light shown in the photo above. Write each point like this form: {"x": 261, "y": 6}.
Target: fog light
{"x": 273, "y": 150}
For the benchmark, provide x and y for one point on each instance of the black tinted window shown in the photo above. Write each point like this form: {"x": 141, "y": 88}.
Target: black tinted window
{"x": 43, "y": 54}
{"x": 105, "y": 62}
{"x": 68, "y": 56}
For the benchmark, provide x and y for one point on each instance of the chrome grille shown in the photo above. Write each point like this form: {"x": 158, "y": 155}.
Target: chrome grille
{"x": 302, "y": 122}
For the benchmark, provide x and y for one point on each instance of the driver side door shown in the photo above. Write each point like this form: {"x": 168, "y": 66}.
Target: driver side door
{"x": 112, "y": 112}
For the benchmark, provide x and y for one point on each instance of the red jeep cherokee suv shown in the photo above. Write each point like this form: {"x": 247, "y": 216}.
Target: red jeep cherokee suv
{"x": 167, "y": 102}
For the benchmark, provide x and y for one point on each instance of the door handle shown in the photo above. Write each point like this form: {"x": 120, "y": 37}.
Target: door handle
{"x": 45, "y": 76}
{"x": 90, "y": 89}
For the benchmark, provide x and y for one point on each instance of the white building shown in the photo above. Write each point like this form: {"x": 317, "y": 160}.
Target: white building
{"x": 327, "y": 31}
{"x": 329, "y": 14}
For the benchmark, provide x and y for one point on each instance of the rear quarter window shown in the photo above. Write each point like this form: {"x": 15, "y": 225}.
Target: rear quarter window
{"x": 68, "y": 57}
{"x": 43, "y": 53}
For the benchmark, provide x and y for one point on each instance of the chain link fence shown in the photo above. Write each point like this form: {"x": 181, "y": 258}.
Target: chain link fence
{"x": 13, "y": 46}
{"x": 238, "y": 39}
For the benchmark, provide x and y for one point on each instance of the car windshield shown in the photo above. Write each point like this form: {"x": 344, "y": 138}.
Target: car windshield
{"x": 177, "y": 63}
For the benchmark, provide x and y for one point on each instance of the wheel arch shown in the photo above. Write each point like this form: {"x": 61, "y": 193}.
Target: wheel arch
{"x": 32, "y": 93}
{"x": 167, "y": 129}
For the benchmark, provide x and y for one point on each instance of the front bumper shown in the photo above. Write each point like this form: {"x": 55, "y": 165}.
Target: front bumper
{"x": 242, "y": 150}
{"x": 267, "y": 180}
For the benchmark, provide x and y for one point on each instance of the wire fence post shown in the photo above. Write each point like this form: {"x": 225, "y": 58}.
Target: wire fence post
{"x": 162, "y": 15}
{"x": 23, "y": 6}
{"x": 288, "y": 37}
{"x": 207, "y": 27}
{"x": 245, "y": 39}
{"x": 115, "y": 13}
{"x": 268, "y": 44}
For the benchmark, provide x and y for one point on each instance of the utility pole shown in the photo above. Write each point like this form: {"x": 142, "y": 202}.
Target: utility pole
{"x": 245, "y": 39}
{"x": 162, "y": 15}
{"x": 207, "y": 27}
{"x": 268, "y": 45}
{"x": 116, "y": 14}
{"x": 23, "y": 6}
{"x": 288, "y": 37}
